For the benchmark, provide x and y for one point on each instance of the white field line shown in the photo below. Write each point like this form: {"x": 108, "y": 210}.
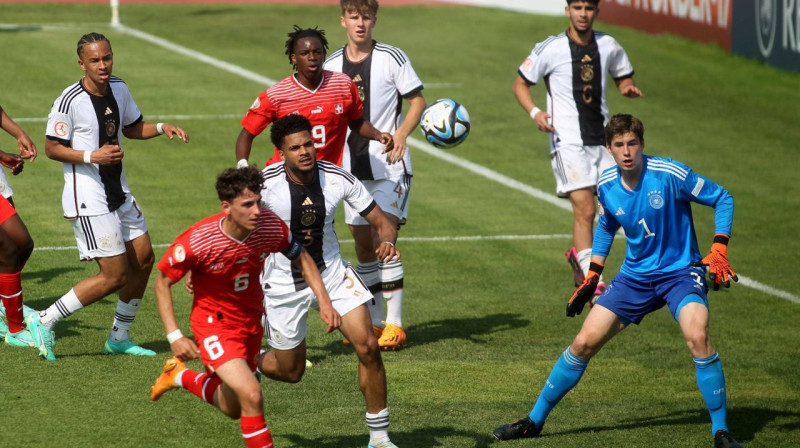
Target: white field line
{"x": 424, "y": 147}
{"x": 150, "y": 117}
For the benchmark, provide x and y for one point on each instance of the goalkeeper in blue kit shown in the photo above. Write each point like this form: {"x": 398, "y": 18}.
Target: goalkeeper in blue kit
{"x": 650, "y": 198}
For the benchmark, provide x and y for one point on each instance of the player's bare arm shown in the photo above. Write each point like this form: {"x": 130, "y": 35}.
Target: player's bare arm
{"x": 244, "y": 144}
{"x": 27, "y": 149}
{"x": 387, "y": 232}
{"x": 522, "y": 91}
{"x": 184, "y": 348}
{"x": 628, "y": 88}
{"x": 312, "y": 277}
{"x": 144, "y": 130}
{"x": 416, "y": 106}
{"x": 365, "y": 129}
{"x": 105, "y": 155}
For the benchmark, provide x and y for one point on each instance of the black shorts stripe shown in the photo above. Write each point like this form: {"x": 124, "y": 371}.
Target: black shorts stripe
{"x": 88, "y": 232}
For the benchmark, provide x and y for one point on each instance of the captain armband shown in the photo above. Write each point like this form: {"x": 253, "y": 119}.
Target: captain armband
{"x": 293, "y": 251}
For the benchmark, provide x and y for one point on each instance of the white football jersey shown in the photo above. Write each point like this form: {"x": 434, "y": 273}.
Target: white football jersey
{"x": 5, "y": 187}
{"x": 383, "y": 78}
{"x": 85, "y": 122}
{"x": 575, "y": 77}
{"x": 308, "y": 211}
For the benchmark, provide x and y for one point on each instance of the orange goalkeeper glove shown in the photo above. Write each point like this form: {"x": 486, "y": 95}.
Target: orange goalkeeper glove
{"x": 585, "y": 291}
{"x": 719, "y": 269}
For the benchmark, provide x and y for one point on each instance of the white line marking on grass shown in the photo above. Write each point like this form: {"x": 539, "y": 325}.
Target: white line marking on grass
{"x": 228, "y": 67}
{"x": 152, "y": 117}
{"x": 424, "y": 147}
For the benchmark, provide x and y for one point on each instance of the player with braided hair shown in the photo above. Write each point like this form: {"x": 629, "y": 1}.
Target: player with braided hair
{"x": 329, "y": 100}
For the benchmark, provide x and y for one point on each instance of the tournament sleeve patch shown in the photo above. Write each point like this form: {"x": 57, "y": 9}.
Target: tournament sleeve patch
{"x": 698, "y": 186}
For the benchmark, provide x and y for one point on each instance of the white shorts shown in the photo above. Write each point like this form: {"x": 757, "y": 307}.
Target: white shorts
{"x": 390, "y": 194}
{"x": 105, "y": 235}
{"x": 578, "y": 167}
{"x": 287, "y": 314}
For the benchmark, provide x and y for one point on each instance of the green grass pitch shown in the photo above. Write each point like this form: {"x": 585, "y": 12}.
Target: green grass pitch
{"x": 484, "y": 314}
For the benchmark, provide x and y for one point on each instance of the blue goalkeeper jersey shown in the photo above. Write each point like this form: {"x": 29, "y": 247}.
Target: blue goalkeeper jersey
{"x": 657, "y": 216}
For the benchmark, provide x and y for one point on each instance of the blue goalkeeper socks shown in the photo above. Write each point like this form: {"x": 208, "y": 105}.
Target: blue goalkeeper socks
{"x": 711, "y": 382}
{"x": 564, "y": 376}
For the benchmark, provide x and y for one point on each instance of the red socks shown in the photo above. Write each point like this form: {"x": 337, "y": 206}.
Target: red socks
{"x": 256, "y": 432}
{"x": 11, "y": 294}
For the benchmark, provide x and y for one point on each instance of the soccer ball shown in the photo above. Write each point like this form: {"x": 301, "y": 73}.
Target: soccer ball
{"x": 445, "y": 123}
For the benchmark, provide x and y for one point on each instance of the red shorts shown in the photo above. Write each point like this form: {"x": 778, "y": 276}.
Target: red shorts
{"x": 221, "y": 342}
{"x": 6, "y": 210}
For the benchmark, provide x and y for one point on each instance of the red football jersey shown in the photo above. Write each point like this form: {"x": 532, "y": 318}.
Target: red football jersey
{"x": 225, "y": 272}
{"x": 330, "y": 109}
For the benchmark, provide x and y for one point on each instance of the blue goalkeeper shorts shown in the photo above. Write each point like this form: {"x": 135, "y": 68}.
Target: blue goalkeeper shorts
{"x": 632, "y": 299}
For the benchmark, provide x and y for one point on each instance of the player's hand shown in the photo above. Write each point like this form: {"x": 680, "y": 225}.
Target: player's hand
{"x": 631, "y": 92}
{"x": 185, "y": 349}
{"x": 396, "y": 154}
{"x": 108, "y": 155}
{"x": 386, "y": 252}
{"x": 11, "y": 161}
{"x": 585, "y": 291}
{"x": 542, "y": 120}
{"x": 27, "y": 150}
{"x": 719, "y": 269}
{"x": 172, "y": 131}
{"x": 330, "y": 316}
{"x": 387, "y": 140}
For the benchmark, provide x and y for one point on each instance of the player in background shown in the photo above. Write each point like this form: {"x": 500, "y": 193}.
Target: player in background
{"x": 384, "y": 76}
{"x": 16, "y": 244}
{"x": 575, "y": 66}
{"x": 225, "y": 254}
{"x": 305, "y": 192}
{"x": 329, "y": 100}
{"x": 84, "y": 132}
{"x": 650, "y": 198}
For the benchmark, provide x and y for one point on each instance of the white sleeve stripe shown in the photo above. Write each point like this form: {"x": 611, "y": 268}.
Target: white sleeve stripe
{"x": 666, "y": 166}
{"x": 670, "y": 170}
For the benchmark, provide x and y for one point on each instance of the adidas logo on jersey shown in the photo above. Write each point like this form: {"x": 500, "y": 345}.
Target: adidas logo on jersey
{"x": 108, "y": 111}
{"x": 308, "y": 201}
{"x": 619, "y": 212}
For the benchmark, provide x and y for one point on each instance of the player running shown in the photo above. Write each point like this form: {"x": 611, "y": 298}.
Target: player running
{"x": 225, "y": 254}
{"x": 305, "y": 193}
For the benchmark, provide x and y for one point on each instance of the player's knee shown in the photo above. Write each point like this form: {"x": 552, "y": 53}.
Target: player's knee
{"x": 295, "y": 375}
{"x": 698, "y": 342}
{"x": 583, "y": 346}
{"x": 368, "y": 353}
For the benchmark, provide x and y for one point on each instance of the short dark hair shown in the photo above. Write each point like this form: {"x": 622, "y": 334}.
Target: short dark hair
{"x": 233, "y": 181}
{"x": 300, "y": 33}
{"x": 287, "y": 125}
{"x": 624, "y": 123}
{"x": 364, "y": 7}
{"x": 595, "y": 2}
{"x": 91, "y": 38}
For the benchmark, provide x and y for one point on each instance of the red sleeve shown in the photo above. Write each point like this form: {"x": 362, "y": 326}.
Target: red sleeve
{"x": 178, "y": 260}
{"x": 260, "y": 115}
{"x": 357, "y": 106}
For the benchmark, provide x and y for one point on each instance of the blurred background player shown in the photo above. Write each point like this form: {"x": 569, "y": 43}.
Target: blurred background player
{"x": 305, "y": 193}
{"x": 384, "y": 76}
{"x": 225, "y": 254}
{"x": 16, "y": 244}
{"x": 84, "y": 132}
{"x": 329, "y": 100}
{"x": 575, "y": 65}
{"x": 662, "y": 267}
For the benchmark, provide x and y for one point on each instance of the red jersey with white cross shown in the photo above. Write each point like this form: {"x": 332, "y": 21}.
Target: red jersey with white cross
{"x": 225, "y": 271}
{"x": 330, "y": 108}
